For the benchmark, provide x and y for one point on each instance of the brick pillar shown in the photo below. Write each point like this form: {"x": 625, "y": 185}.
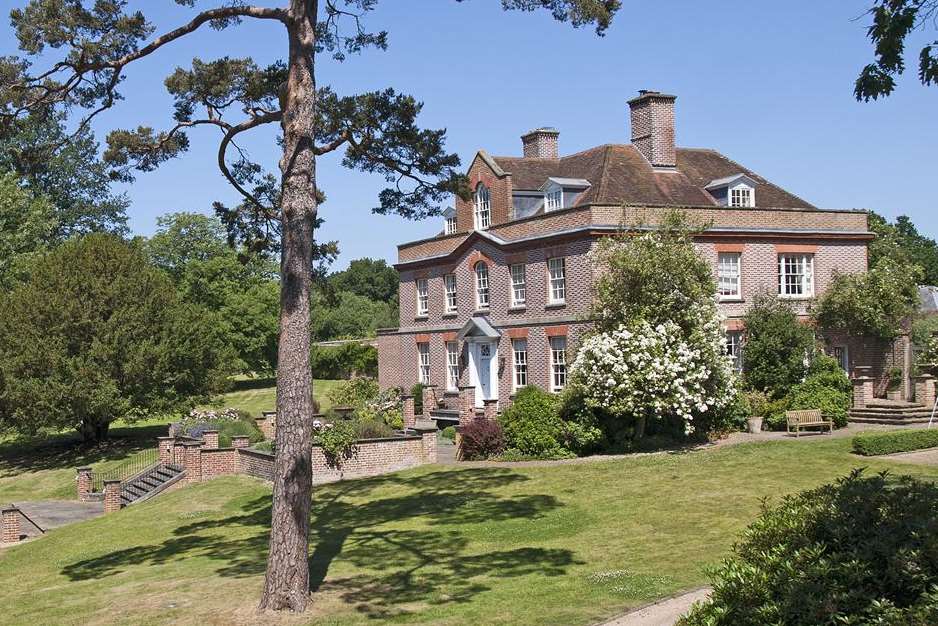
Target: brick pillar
{"x": 112, "y": 496}
{"x": 925, "y": 390}
{"x": 490, "y": 409}
{"x": 429, "y": 399}
{"x": 10, "y": 525}
{"x": 85, "y": 477}
{"x": 862, "y": 390}
{"x": 467, "y": 404}
{"x": 193, "y": 462}
{"x": 240, "y": 441}
{"x": 211, "y": 439}
{"x": 165, "y": 446}
{"x": 179, "y": 453}
{"x": 408, "y": 410}
{"x": 428, "y": 432}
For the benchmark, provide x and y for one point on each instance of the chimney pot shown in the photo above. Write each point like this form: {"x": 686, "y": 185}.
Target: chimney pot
{"x": 652, "y": 119}
{"x": 541, "y": 143}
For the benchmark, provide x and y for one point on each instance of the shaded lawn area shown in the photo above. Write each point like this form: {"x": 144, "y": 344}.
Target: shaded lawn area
{"x": 41, "y": 468}
{"x": 563, "y": 544}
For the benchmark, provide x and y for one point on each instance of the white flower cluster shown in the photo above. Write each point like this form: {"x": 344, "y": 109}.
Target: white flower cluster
{"x": 653, "y": 371}
{"x": 207, "y": 415}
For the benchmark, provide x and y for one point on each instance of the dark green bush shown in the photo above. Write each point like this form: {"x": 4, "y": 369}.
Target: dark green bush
{"x": 775, "y": 414}
{"x": 481, "y": 439}
{"x": 344, "y": 361}
{"x": 861, "y": 551}
{"x": 373, "y": 429}
{"x": 239, "y": 428}
{"x": 776, "y": 343}
{"x": 533, "y": 425}
{"x": 449, "y": 433}
{"x": 874, "y": 444}
{"x": 417, "y": 392}
{"x": 826, "y": 387}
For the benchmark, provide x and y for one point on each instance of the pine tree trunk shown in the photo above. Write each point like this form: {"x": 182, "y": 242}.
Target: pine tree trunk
{"x": 286, "y": 585}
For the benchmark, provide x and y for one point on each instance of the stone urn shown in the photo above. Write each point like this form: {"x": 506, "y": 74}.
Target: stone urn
{"x": 755, "y": 425}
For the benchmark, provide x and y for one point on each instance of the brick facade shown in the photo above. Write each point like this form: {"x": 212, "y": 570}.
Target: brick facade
{"x": 776, "y": 223}
{"x": 10, "y": 531}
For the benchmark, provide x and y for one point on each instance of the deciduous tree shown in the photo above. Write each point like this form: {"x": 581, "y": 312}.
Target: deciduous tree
{"x": 377, "y": 131}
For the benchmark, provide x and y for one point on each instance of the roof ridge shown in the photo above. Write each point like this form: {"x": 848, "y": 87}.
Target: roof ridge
{"x": 601, "y": 146}
{"x": 603, "y": 172}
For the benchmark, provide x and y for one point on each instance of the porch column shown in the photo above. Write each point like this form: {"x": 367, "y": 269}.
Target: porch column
{"x": 925, "y": 390}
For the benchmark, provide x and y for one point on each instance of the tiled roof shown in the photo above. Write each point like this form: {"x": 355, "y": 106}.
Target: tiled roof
{"x": 619, "y": 174}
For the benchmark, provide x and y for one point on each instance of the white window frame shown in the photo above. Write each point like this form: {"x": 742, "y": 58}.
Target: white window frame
{"x": 519, "y": 363}
{"x": 558, "y": 363}
{"x": 553, "y": 199}
{"x": 423, "y": 363}
{"x": 741, "y": 196}
{"x": 729, "y": 275}
{"x": 482, "y": 285}
{"x": 450, "y": 299}
{"x": 801, "y": 285}
{"x": 449, "y": 226}
{"x": 734, "y": 348}
{"x": 423, "y": 297}
{"x": 557, "y": 280}
{"x": 452, "y": 365}
{"x": 519, "y": 285}
{"x": 482, "y": 211}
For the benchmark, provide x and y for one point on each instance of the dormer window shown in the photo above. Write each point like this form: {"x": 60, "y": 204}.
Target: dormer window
{"x": 741, "y": 196}
{"x": 562, "y": 192}
{"x": 449, "y": 225}
{"x": 482, "y": 213}
{"x": 553, "y": 200}
{"x": 737, "y": 191}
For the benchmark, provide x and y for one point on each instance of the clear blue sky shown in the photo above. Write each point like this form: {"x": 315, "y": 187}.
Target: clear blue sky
{"x": 768, "y": 84}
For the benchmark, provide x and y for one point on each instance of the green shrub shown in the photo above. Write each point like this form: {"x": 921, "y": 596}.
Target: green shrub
{"x": 481, "y": 439}
{"x": 861, "y": 551}
{"x": 370, "y": 403}
{"x": 895, "y": 378}
{"x": 533, "y": 425}
{"x": 827, "y": 388}
{"x": 449, "y": 433}
{"x": 776, "y": 344}
{"x": 373, "y": 429}
{"x": 239, "y": 428}
{"x": 758, "y": 402}
{"x": 344, "y": 361}
{"x": 267, "y": 446}
{"x": 775, "y": 414}
{"x": 874, "y": 444}
{"x": 338, "y": 441}
{"x": 417, "y": 392}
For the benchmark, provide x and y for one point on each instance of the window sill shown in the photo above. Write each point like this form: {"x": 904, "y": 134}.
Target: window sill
{"x": 451, "y": 393}
{"x": 555, "y": 305}
{"x": 517, "y": 307}
{"x": 450, "y": 314}
{"x": 728, "y": 299}
{"x": 421, "y": 318}
{"x": 795, "y": 298}
{"x": 482, "y": 311}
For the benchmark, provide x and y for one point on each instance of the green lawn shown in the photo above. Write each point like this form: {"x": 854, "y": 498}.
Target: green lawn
{"x": 44, "y": 467}
{"x": 564, "y": 544}
{"x": 259, "y": 395}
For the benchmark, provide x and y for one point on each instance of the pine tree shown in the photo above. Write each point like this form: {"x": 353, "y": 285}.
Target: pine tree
{"x": 97, "y": 43}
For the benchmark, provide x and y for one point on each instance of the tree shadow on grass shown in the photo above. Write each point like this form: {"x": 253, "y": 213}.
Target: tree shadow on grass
{"x": 33, "y": 454}
{"x": 400, "y": 536}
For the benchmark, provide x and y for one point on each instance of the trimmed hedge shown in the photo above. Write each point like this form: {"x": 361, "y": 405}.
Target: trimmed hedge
{"x": 875, "y": 444}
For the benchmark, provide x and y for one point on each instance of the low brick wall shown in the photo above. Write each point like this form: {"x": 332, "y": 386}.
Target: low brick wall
{"x": 219, "y": 462}
{"x": 371, "y": 457}
{"x": 255, "y": 463}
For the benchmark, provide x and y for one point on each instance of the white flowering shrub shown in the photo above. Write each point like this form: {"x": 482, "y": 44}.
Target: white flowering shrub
{"x": 650, "y": 372}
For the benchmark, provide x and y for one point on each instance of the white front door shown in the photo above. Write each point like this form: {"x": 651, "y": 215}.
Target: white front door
{"x": 484, "y": 357}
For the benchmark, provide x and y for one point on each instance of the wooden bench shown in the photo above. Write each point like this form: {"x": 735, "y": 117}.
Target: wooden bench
{"x": 809, "y": 417}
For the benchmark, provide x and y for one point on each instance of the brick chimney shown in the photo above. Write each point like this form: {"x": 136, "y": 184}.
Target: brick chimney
{"x": 653, "y": 127}
{"x": 541, "y": 143}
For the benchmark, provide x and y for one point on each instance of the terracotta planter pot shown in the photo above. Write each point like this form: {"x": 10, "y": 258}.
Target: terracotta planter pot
{"x": 894, "y": 394}
{"x": 755, "y": 425}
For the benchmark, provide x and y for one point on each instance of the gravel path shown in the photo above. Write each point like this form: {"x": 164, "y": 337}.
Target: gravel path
{"x": 662, "y": 613}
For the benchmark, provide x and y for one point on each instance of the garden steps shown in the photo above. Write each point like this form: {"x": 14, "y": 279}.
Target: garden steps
{"x": 149, "y": 483}
{"x": 895, "y": 412}
{"x": 446, "y": 415}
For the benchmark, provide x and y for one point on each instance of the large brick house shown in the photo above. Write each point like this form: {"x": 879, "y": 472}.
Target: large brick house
{"x": 501, "y": 296}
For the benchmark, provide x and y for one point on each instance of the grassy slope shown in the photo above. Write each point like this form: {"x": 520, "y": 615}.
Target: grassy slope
{"x": 44, "y": 468}
{"x": 566, "y": 544}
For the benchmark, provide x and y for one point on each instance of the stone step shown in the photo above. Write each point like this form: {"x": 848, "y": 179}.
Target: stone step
{"x": 887, "y": 420}
{"x": 884, "y": 411}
